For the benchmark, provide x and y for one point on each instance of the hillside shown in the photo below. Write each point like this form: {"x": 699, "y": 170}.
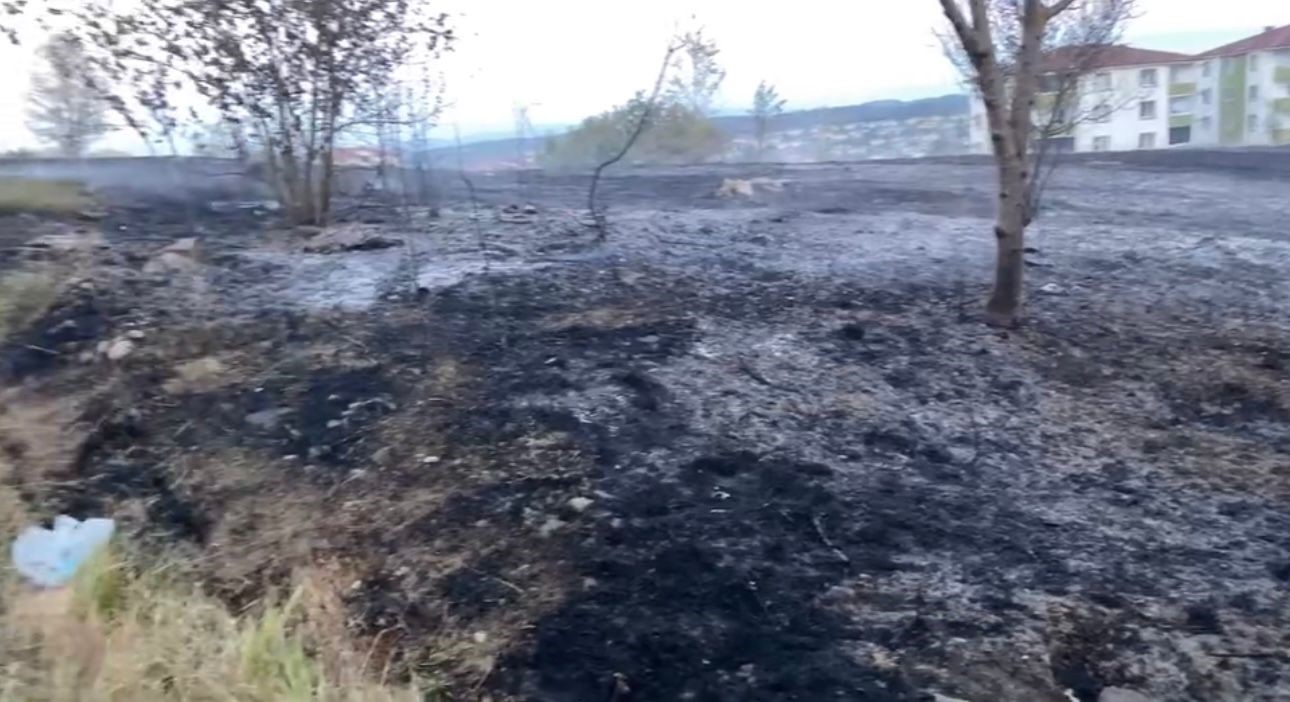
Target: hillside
{"x": 878, "y": 111}
{"x": 883, "y": 128}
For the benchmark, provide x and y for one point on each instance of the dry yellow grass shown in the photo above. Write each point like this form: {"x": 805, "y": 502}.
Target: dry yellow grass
{"x": 24, "y": 296}
{"x": 42, "y": 196}
{"x": 127, "y": 633}
{"x": 119, "y": 634}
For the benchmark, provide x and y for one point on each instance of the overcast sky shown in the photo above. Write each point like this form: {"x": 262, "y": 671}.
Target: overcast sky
{"x": 567, "y": 59}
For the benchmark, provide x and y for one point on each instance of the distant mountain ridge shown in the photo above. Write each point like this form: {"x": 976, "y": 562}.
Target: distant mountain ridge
{"x": 507, "y": 152}
{"x": 877, "y": 111}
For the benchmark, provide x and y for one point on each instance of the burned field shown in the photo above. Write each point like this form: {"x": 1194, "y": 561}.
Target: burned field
{"x": 748, "y": 449}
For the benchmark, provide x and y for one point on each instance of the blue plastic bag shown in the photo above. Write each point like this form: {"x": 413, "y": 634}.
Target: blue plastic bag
{"x": 49, "y": 558}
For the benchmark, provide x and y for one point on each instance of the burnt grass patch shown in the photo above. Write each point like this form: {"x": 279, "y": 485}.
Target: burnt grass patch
{"x": 692, "y": 476}
{"x": 704, "y": 569}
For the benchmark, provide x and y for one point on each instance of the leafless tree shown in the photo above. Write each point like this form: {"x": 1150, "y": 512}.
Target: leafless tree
{"x": 64, "y": 107}
{"x": 697, "y": 76}
{"x": 295, "y": 75}
{"x": 646, "y": 111}
{"x": 766, "y": 106}
{"x": 1007, "y": 46}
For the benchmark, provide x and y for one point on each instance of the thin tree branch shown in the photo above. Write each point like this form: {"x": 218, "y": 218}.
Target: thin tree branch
{"x": 960, "y": 24}
{"x": 1058, "y": 8}
{"x": 597, "y": 217}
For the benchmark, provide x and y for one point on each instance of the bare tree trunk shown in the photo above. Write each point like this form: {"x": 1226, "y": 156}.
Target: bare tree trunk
{"x": 1004, "y": 307}
{"x": 1008, "y": 85}
{"x": 598, "y": 216}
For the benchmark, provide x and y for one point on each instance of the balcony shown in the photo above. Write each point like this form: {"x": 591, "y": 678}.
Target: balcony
{"x": 1181, "y": 89}
{"x": 1181, "y": 121}
{"x": 1282, "y": 74}
{"x": 1281, "y": 106}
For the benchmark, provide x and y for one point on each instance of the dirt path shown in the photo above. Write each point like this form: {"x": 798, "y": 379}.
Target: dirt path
{"x": 746, "y": 451}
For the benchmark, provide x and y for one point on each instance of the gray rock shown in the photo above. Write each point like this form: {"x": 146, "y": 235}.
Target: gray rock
{"x": 169, "y": 262}
{"x": 1120, "y": 694}
{"x": 182, "y": 255}
{"x": 119, "y": 349}
{"x": 187, "y": 246}
{"x": 268, "y": 419}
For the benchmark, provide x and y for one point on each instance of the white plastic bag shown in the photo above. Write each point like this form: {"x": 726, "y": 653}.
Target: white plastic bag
{"x": 50, "y": 558}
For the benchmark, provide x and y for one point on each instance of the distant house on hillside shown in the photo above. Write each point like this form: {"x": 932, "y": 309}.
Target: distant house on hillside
{"x": 365, "y": 157}
{"x": 1131, "y": 98}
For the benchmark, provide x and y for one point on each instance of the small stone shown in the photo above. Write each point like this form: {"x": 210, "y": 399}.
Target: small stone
{"x": 580, "y": 504}
{"x": 428, "y": 460}
{"x": 169, "y": 262}
{"x": 382, "y": 455}
{"x": 335, "y": 423}
{"x": 119, "y": 349}
{"x": 550, "y": 526}
{"x": 1120, "y": 694}
{"x": 1052, "y": 289}
{"x": 479, "y": 637}
{"x": 268, "y": 419}
{"x": 136, "y": 335}
{"x": 187, "y": 246}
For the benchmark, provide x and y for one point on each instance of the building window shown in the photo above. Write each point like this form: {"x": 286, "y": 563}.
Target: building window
{"x": 1205, "y": 68}
{"x": 1254, "y": 63}
{"x": 1102, "y": 143}
{"x": 1147, "y": 140}
{"x": 1102, "y": 81}
{"x": 1101, "y": 113}
{"x": 1181, "y": 105}
{"x": 1254, "y": 93}
{"x": 1147, "y": 78}
{"x": 1147, "y": 109}
{"x": 1050, "y": 83}
{"x": 1179, "y": 135}
{"x": 1253, "y": 123}
{"x": 1207, "y": 96}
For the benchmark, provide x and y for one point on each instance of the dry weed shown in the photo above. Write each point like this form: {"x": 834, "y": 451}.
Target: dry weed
{"x": 126, "y": 632}
{"x": 43, "y": 196}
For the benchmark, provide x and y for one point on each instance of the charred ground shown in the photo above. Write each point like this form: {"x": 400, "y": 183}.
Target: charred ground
{"x": 747, "y": 450}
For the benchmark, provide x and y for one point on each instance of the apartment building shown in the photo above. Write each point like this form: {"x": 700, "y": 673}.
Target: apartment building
{"x": 1244, "y": 91}
{"x": 1131, "y": 98}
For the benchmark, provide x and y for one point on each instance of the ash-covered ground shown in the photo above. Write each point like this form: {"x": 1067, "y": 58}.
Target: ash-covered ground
{"x": 747, "y": 449}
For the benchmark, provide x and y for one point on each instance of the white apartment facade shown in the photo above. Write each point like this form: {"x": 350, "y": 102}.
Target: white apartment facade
{"x": 1236, "y": 95}
{"x": 1245, "y": 88}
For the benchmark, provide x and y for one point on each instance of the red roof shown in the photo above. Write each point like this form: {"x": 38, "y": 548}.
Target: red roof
{"x": 1111, "y": 56}
{"x": 1271, "y": 38}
